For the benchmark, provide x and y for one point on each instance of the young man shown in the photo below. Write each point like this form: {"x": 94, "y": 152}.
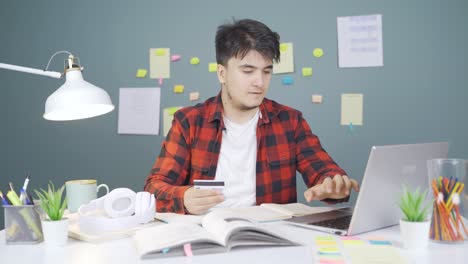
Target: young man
{"x": 253, "y": 144}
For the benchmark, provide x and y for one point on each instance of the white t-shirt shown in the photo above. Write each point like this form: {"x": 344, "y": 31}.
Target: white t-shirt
{"x": 237, "y": 163}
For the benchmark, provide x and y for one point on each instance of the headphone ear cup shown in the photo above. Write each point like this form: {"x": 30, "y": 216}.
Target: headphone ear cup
{"x": 120, "y": 202}
{"x": 144, "y": 207}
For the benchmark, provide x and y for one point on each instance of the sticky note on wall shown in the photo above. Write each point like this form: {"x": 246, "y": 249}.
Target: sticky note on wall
{"x": 286, "y": 63}
{"x": 160, "y": 64}
{"x": 141, "y": 73}
{"x": 287, "y": 80}
{"x": 178, "y": 88}
{"x": 317, "y": 98}
{"x": 213, "y": 67}
{"x": 306, "y": 71}
{"x": 318, "y": 52}
{"x": 194, "y": 96}
{"x": 194, "y": 60}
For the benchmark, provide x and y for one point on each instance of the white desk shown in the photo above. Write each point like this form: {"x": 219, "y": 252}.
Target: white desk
{"x": 123, "y": 251}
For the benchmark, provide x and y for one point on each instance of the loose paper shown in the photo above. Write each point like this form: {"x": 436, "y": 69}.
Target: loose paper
{"x": 351, "y": 109}
{"x": 160, "y": 63}
{"x": 286, "y": 63}
{"x": 139, "y": 111}
{"x": 168, "y": 115}
{"x": 375, "y": 254}
{"x": 360, "y": 41}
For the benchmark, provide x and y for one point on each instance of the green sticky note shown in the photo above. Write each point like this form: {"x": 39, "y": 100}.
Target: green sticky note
{"x": 141, "y": 73}
{"x": 318, "y": 52}
{"x": 194, "y": 60}
{"x": 213, "y": 67}
{"x": 178, "y": 88}
{"x": 306, "y": 71}
{"x": 326, "y": 238}
{"x": 283, "y": 47}
{"x": 160, "y": 52}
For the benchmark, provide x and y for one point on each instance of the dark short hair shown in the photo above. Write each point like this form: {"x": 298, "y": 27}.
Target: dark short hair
{"x": 236, "y": 39}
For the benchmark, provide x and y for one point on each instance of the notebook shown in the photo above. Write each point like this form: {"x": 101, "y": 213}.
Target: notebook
{"x": 388, "y": 168}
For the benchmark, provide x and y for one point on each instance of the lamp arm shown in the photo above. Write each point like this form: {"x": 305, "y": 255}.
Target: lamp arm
{"x": 31, "y": 70}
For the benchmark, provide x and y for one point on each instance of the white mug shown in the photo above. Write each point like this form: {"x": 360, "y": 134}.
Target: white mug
{"x": 82, "y": 192}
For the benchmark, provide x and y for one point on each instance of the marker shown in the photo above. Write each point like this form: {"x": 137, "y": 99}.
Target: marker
{"x": 12, "y": 196}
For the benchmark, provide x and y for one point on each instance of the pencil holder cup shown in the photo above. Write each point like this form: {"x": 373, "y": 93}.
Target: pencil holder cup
{"x": 447, "y": 179}
{"x": 22, "y": 224}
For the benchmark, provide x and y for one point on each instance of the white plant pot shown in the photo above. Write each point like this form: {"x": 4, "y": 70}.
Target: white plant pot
{"x": 55, "y": 232}
{"x": 415, "y": 235}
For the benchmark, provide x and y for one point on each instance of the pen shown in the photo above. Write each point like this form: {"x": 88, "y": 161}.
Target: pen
{"x": 24, "y": 199}
{"x": 4, "y": 200}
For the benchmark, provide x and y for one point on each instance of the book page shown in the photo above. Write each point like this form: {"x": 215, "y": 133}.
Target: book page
{"x": 295, "y": 209}
{"x": 252, "y": 213}
{"x": 179, "y": 218}
{"x": 235, "y": 231}
{"x": 153, "y": 240}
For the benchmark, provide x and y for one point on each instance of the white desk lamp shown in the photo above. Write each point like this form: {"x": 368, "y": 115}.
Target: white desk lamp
{"x": 76, "y": 98}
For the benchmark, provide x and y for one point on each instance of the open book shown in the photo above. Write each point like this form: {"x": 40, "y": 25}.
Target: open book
{"x": 216, "y": 234}
{"x": 264, "y": 213}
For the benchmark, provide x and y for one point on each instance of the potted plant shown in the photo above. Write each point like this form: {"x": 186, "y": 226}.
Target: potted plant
{"x": 415, "y": 223}
{"x": 53, "y": 202}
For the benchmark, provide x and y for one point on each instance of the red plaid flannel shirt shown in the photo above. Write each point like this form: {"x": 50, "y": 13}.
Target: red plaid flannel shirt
{"x": 285, "y": 143}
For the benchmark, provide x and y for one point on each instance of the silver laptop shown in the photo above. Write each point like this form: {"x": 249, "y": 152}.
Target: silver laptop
{"x": 388, "y": 168}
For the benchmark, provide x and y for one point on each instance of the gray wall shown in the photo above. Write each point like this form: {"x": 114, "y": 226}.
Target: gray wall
{"x": 418, "y": 96}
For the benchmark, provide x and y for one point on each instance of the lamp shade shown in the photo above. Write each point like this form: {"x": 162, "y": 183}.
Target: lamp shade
{"x": 77, "y": 99}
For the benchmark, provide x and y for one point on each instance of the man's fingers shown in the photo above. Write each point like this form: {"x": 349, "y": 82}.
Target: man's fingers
{"x": 327, "y": 185}
{"x": 355, "y": 185}
{"x": 339, "y": 183}
{"x": 195, "y": 193}
{"x": 347, "y": 183}
{"x": 314, "y": 193}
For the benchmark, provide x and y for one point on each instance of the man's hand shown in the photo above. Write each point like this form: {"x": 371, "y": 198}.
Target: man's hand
{"x": 198, "y": 201}
{"x": 337, "y": 187}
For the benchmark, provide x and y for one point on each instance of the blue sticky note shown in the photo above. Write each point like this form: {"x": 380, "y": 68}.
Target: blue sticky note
{"x": 380, "y": 242}
{"x": 287, "y": 80}
{"x": 165, "y": 250}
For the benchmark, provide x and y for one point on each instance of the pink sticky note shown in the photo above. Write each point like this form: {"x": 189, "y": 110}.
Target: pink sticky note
{"x": 160, "y": 80}
{"x": 350, "y": 238}
{"x": 175, "y": 57}
{"x": 332, "y": 261}
{"x": 188, "y": 250}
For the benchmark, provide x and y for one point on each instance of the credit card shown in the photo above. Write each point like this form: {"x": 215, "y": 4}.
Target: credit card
{"x": 209, "y": 184}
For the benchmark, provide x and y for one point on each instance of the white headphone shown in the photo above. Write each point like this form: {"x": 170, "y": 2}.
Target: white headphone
{"x": 120, "y": 209}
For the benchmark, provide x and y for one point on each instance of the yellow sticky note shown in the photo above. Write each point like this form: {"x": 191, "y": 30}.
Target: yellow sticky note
{"x": 325, "y": 243}
{"x": 212, "y": 67}
{"x": 352, "y": 242}
{"x": 318, "y": 52}
{"x": 141, "y": 73}
{"x": 306, "y": 71}
{"x": 194, "y": 60}
{"x": 178, "y": 88}
{"x": 324, "y": 238}
{"x": 329, "y": 250}
{"x": 283, "y": 47}
{"x": 193, "y": 96}
{"x": 160, "y": 52}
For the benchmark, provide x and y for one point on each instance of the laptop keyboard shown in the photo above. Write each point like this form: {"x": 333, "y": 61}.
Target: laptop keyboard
{"x": 337, "y": 223}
